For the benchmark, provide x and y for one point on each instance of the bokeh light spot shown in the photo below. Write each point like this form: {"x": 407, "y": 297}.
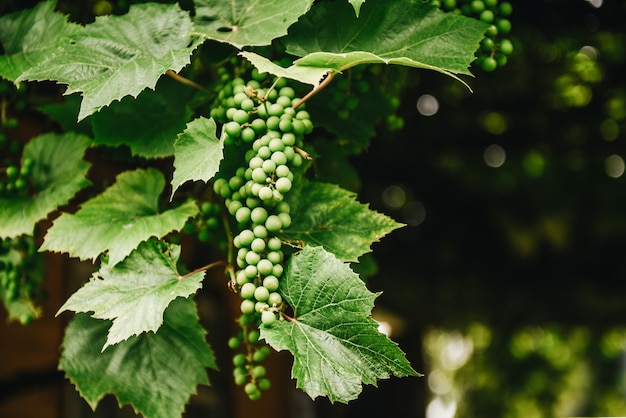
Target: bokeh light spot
{"x": 494, "y": 156}
{"x": 614, "y": 166}
{"x": 427, "y": 105}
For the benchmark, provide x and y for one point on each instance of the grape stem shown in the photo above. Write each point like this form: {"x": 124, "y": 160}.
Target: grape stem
{"x": 188, "y": 82}
{"x": 203, "y": 268}
{"x": 316, "y": 89}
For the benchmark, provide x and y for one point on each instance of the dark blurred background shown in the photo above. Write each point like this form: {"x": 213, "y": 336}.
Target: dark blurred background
{"x": 507, "y": 286}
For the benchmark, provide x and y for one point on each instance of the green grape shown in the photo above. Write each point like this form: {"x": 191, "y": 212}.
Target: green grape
{"x": 261, "y": 294}
{"x": 271, "y": 283}
{"x": 264, "y": 384}
{"x": 234, "y": 342}
{"x": 268, "y": 317}
{"x": 488, "y": 64}
{"x": 258, "y": 372}
{"x": 247, "y": 291}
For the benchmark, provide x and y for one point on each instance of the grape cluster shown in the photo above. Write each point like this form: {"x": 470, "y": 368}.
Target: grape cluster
{"x": 19, "y": 275}
{"x": 269, "y": 125}
{"x": 495, "y": 47}
{"x": 14, "y": 175}
{"x": 205, "y": 226}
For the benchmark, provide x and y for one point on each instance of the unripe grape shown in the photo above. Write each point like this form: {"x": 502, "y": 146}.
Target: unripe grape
{"x": 258, "y": 215}
{"x": 253, "y": 259}
{"x": 250, "y": 388}
{"x": 268, "y": 318}
{"x": 264, "y": 384}
{"x": 285, "y": 220}
{"x": 261, "y": 354}
{"x": 258, "y": 372}
{"x": 275, "y": 110}
{"x": 243, "y": 214}
{"x": 271, "y": 283}
{"x": 275, "y": 257}
{"x": 248, "y": 134}
{"x": 239, "y": 360}
{"x": 261, "y": 307}
{"x": 266, "y": 193}
{"x": 260, "y": 231}
{"x": 269, "y": 166}
{"x": 247, "y": 306}
{"x": 505, "y": 47}
{"x": 233, "y": 129}
{"x": 265, "y": 267}
{"x": 234, "y": 342}
{"x": 253, "y": 336}
{"x": 273, "y": 223}
{"x": 261, "y": 294}
{"x": 274, "y": 298}
{"x": 258, "y": 246}
{"x": 247, "y": 291}
{"x": 283, "y": 185}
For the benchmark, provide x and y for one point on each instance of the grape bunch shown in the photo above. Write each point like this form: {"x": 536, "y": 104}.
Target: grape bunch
{"x": 268, "y": 125}
{"x": 14, "y": 174}
{"x": 495, "y": 47}
{"x": 20, "y": 275}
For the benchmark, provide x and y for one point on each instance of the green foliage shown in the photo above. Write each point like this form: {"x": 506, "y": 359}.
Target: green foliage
{"x": 155, "y": 373}
{"x": 247, "y": 22}
{"x": 135, "y": 292}
{"x": 324, "y": 214}
{"x": 335, "y": 343}
{"x": 57, "y": 174}
{"x": 31, "y": 36}
{"x": 248, "y": 143}
{"x": 117, "y": 56}
{"x": 121, "y": 217}
{"x": 197, "y": 153}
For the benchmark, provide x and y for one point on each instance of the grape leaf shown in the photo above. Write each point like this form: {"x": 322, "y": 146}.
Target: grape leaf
{"x": 65, "y": 113}
{"x": 148, "y": 124}
{"x": 197, "y": 153}
{"x": 356, "y": 4}
{"x": 118, "y": 219}
{"x": 247, "y": 22}
{"x": 58, "y": 173}
{"x": 306, "y": 75}
{"x": 117, "y": 56}
{"x": 155, "y": 373}
{"x": 335, "y": 342}
{"x": 29, "y": 37}
{"x": 405, "y": 32}
{"x": 135, "y": 292}
{"x": 324, "y": 214}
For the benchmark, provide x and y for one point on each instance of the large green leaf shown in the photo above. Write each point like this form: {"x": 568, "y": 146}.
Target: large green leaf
{"x": 117, "y": 56}
{"x": 324, "y": 214}
{"x": 149, "y": 124}
{"x": 197, "y": 153}
{"x": 30, "y": 37}
{"x": 155, "y": 373}
{"x": 135, "y": 292}
{"x": 247, "y": 22}
{"x": 403, "y": 32}
{"x": 335, "y": 343}
{"x": 58, "y": 173}
{"x": 118, "y": 219}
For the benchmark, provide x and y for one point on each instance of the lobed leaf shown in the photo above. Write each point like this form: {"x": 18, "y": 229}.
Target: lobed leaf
{"x": 29, "y": 37}
{"x": 335, "y": 343}
{"x": 197, "y": 153}
{"x": 58, "y": 173}
{"x": 118, "y": 219}
{"x": 118, "y": 56}
{"x": 135, "y": 292}
{"x": 247, "y": 22}
{"x": 155, "y": 373}
{"x": 326, "y": 215}
{"x": 405, "y": 32}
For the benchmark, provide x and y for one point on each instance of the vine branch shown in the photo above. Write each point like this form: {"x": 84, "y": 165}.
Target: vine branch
{"x": 316, "y": 89}
{"x": 188, "y": 82}
{"x": 203, "y": 268}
